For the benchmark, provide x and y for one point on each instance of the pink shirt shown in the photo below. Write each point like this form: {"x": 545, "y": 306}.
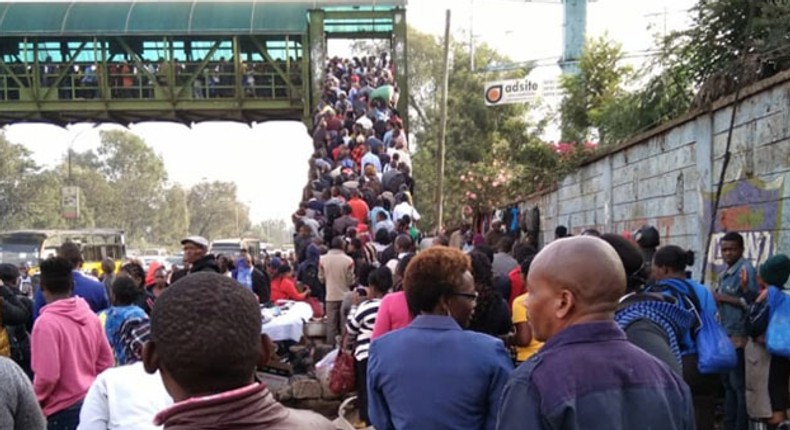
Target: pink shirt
{"x": 68, "y": 350}
{"x": 393, "y": 314}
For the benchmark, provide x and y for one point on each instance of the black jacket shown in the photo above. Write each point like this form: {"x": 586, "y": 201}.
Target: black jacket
{"x": 205, "y": 264}
{"x": 18, "y": 321}
{"x": 261, "y": 286}
{"x": 14, "y": 311}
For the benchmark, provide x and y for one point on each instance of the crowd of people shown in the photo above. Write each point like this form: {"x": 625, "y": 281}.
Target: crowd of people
{"x": 126, "y": 79}
{"x": 457, "y": 331}
{"x": 130, "y": 351}
{"x": 596, "y": 331}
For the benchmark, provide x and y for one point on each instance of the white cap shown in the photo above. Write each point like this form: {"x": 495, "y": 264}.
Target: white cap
{"x": 197, "y": 240}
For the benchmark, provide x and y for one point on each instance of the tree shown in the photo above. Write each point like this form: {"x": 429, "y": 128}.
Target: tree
{"x": 20, "y": 202}
{"x": 137, "y": 175}
{"x": 172, "y": 218}
{"x": 731, "y": 42}
{"x": 42, "y": 202}
{"x": 477, "y": 135}
{"x": 274, "y": 231}
{"x": 592, "y": 93}
{"x": 215, "y": 212}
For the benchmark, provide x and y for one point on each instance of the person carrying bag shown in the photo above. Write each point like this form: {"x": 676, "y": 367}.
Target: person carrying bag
{"x": 714, "y": 350}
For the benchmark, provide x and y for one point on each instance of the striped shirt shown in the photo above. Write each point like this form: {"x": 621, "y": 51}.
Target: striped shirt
{"x": 360, "y": 326}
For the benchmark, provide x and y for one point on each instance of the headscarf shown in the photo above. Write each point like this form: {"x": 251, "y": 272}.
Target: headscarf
{"x": 135, "y": 333}
{"x": 117, "y": 318}
{"x": 149, "y": 277}
{"x": 244, "y": 273}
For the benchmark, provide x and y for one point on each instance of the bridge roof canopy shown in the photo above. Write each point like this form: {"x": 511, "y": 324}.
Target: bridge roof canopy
{"x": 172, "y": 18}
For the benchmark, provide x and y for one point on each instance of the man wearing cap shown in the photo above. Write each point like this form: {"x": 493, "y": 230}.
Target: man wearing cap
{"x": 196, "y": 258}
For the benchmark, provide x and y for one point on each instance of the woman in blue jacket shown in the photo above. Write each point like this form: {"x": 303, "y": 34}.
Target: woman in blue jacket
{"x": 433, "y": 374}
{"x": 669, "y": 272}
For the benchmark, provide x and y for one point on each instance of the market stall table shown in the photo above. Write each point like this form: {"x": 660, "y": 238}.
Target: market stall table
{"x": 285, "y": 321}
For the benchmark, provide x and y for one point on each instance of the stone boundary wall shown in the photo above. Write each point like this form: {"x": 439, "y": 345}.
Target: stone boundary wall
{"x": 668, "y": 176}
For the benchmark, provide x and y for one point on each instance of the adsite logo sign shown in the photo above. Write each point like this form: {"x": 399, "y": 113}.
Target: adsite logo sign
{"x": 510, "y": 91}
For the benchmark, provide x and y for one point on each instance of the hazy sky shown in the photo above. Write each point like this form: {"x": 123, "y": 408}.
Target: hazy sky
{"x": 268, "y": 161}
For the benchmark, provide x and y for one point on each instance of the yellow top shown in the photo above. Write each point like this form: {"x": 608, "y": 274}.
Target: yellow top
{"x": 520, "y": 316}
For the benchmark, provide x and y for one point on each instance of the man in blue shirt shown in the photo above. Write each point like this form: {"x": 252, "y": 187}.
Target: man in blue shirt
{"x": 89, "y": 289}
{"x": 587, "y": 375}
{"x": 737, "y": 289}
{"x": 369, "y": 157}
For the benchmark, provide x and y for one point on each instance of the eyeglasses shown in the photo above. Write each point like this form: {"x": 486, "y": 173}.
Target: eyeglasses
{"x": 470, "y": 296}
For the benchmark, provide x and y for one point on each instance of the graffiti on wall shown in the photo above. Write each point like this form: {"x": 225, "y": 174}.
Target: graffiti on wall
{"x": 753, "y": 208}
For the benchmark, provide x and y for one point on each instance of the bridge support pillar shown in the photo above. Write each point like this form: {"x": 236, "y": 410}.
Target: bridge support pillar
{"x": 317, "y": 53}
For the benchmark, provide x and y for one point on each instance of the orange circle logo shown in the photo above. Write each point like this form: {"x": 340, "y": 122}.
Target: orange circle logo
{"x": 494, "y": 94}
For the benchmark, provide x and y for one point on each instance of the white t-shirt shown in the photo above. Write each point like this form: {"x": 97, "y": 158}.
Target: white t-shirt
{"x": 124, "y": 398}
{"x": 405, "y": 209}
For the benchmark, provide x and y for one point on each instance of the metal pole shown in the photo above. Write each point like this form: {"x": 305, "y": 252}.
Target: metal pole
{"x": 443, "y": 128}
{"x": 472, "y": 35}
{"x": 237, "y": 219}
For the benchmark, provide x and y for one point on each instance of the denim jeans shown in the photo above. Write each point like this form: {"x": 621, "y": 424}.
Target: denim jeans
{"x": 735, "y": 416}
{"x": 67, "y": 419}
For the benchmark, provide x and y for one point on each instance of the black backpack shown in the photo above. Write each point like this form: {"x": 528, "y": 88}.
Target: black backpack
{"x": 331, "y": 212}
{"x": 392, "y": 180}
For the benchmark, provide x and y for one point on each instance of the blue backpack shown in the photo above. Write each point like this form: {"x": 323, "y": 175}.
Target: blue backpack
{"x": 715, "y": 352}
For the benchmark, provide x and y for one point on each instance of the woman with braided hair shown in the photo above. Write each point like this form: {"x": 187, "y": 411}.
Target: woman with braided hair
{"x": 491, "y": 315}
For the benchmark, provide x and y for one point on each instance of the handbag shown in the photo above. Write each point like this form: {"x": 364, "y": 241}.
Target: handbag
{"x": 777, "y": 337}
{"x": 317, "y": 306}
{"x": 342, "y": 377}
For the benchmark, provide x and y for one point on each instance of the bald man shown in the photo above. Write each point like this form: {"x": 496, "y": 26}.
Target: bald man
{"x": 587, "y": 375}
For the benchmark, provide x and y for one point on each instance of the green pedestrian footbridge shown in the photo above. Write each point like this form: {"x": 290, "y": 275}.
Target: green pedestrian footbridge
{"x": 180, "y": 61}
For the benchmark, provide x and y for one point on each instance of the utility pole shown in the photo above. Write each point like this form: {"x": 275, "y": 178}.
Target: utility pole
{"x": 443, "y": 128}
{"x": 574, "y": 18}
{"x": 472, "y": 35}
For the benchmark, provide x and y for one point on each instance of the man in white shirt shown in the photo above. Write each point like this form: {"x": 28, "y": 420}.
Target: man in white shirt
{"x": 404, "y": 208}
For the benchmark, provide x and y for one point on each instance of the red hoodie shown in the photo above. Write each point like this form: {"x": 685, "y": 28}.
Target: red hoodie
{"x": 68, "y": 350}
